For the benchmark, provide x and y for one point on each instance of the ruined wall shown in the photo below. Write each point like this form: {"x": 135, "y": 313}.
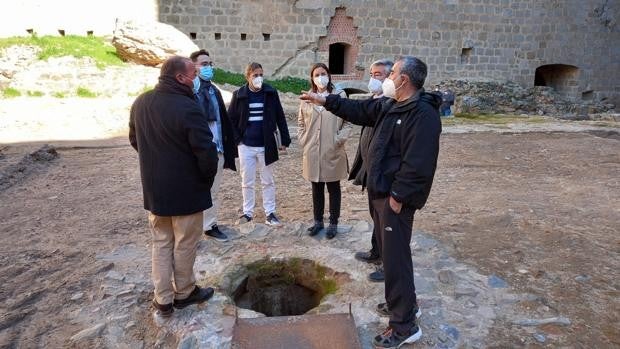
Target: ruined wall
{"x": 476, "y": 39}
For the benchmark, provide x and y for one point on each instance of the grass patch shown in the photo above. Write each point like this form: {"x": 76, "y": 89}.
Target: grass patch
{"x": 35, "y": 93}
{"x": 59, "y": 94}
{"x": 10, "y": 92}
{"x": 103, "y": 53}
{"x": 287, "y": 84}
{"x": 85, "y": 93}
{"x": 492, "y": 119}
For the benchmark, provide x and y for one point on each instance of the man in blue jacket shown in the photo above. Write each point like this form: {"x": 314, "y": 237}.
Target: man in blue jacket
{"x": 178, "y": 161}
{"x": 401, "y": 165}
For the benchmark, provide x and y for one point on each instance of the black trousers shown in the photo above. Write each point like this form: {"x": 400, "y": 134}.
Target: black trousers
{"x": 318, "y": 201}
{"x": 393, "y": 239}
{"x": 374, "y": 249}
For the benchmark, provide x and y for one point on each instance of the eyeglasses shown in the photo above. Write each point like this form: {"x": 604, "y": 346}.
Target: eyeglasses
{"x": 204, "y": 64}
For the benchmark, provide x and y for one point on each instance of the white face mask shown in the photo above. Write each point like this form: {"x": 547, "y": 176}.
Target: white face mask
{"x": 257, "y": 82}
{"x": 375, "y": 86}
{"x": 389, "y": 89}
{"x": 321, "y": 81}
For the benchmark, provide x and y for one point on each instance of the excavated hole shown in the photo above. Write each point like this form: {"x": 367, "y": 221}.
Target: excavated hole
{"x": 284, "y": 287}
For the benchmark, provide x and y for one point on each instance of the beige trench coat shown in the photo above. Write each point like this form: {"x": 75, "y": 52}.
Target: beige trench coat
{"x": 322, "y": 136}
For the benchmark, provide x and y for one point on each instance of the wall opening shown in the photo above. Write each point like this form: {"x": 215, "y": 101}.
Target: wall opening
{"x": 218, "y": 36}
{"x": 61, "y": 32}
{"x": 337, "y": 57}
{"x": 340, "y": 47}
{"x": 465, "y": 54}
{"x": 563, "y": 78}
{"x": 30, "y": 31}
{"x": 266, "y": 36}
{"x": 244, "y": 36}
{"x": 89, "y": 33}
{"x": 587, "y": 95}
{"x": 192, "y": 36}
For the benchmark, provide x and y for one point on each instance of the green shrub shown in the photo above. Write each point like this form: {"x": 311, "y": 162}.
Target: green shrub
{"x": 10, "y": 92}
{"x": 103, "y": 53}
{"x": 35, "y": 93}
{"x": 85, "y": 93}
{"x": 287, "y": 84}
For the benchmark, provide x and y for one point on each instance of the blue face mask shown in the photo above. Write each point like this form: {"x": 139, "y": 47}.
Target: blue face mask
{"x": 206, "y": 72}
{"x": 196, "y": 84}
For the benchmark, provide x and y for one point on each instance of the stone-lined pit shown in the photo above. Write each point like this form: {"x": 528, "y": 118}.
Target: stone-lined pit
{"x": 284, "y": 287}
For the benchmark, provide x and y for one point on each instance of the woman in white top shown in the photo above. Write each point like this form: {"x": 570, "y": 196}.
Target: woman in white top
{"x": 322, "y": 135}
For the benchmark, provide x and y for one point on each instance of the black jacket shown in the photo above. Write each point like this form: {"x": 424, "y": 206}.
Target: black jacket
{"x": 404, "y": 146}
{"x": 358, "y": 170}
{"x": 178, "y": 159}
{"x": 228, "y": 132}
{"x": 273, "y": 116}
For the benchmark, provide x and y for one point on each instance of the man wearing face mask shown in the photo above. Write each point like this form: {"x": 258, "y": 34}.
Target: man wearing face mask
{"x": 256, "y": 115}
{"x": 210, "y": 100}
{"x": 401, "y": 165}
{"x": 379, "y": 71}
{"x": 178, "y": 162}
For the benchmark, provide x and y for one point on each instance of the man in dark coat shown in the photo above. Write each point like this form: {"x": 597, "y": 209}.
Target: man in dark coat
{"x": 403, "y": 157}
{"x": 379, "y": 71}
{"x": 210, "y": 99}
{"x": 178, "y": 161}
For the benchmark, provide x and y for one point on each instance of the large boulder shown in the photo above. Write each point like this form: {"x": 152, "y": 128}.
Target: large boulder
{"x": 150, "y": 43}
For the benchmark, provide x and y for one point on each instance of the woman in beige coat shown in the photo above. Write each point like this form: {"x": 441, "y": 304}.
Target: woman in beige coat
{"x": 322, "y": 136}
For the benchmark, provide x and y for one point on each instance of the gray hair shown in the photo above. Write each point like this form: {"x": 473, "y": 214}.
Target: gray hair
{"x": 386, "y": 63}
{"x": 415, "y": 69}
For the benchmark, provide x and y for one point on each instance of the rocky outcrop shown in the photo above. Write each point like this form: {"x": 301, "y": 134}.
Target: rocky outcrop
{"x": 150, "y": 43}
{"x": 489, "y": 97}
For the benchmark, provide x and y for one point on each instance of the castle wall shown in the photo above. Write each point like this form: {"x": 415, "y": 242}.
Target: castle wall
{"x": 474, "y": 39}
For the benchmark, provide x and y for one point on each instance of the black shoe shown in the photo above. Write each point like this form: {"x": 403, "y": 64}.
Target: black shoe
{"x": 377, "y": 276}
{"x": 272, "y": 219}
{"x": 368, "y": 257}
{"x": 382, "y": 309}
{"x": 332, "y": 230}
{"x": 216, "y": 234}
{"x": 198, "y": 295}
{"x": 392, "y": 339}
{"x": 244, "y": 219}
{"x": 163, "y": 310}
{"x": 315, "y": 229}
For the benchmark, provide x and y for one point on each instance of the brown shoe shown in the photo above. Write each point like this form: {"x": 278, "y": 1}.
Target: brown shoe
{"x": 198, "y": 295}
{"x": 163, "y": 310}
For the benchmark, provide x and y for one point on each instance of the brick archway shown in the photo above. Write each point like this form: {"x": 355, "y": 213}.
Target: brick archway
{"x": 342, "y": 46}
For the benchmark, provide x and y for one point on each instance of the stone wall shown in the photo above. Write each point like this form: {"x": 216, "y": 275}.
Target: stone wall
{"x": 494, "y": 40}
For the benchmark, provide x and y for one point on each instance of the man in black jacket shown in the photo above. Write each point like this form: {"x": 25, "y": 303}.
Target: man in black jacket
{"x": 404, "y": 148}
{"x": 379, "y": 71}
{"x": 210, "y": 99}
{"x": 178, "y": 161}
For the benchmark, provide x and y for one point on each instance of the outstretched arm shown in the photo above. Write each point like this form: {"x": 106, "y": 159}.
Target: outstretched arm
{"x": 365, "y": 112}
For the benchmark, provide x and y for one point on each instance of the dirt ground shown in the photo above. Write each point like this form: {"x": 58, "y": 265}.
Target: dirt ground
{"x": 541, "y": 210}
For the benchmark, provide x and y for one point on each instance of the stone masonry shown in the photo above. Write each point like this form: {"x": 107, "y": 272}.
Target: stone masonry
{"x": 572, "y": 45}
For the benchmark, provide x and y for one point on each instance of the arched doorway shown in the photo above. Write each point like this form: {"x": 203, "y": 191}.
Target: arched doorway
{"x": 563, "y": 78}
{"x": 338, "y": 53}
{"x": 340, "y": 47}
